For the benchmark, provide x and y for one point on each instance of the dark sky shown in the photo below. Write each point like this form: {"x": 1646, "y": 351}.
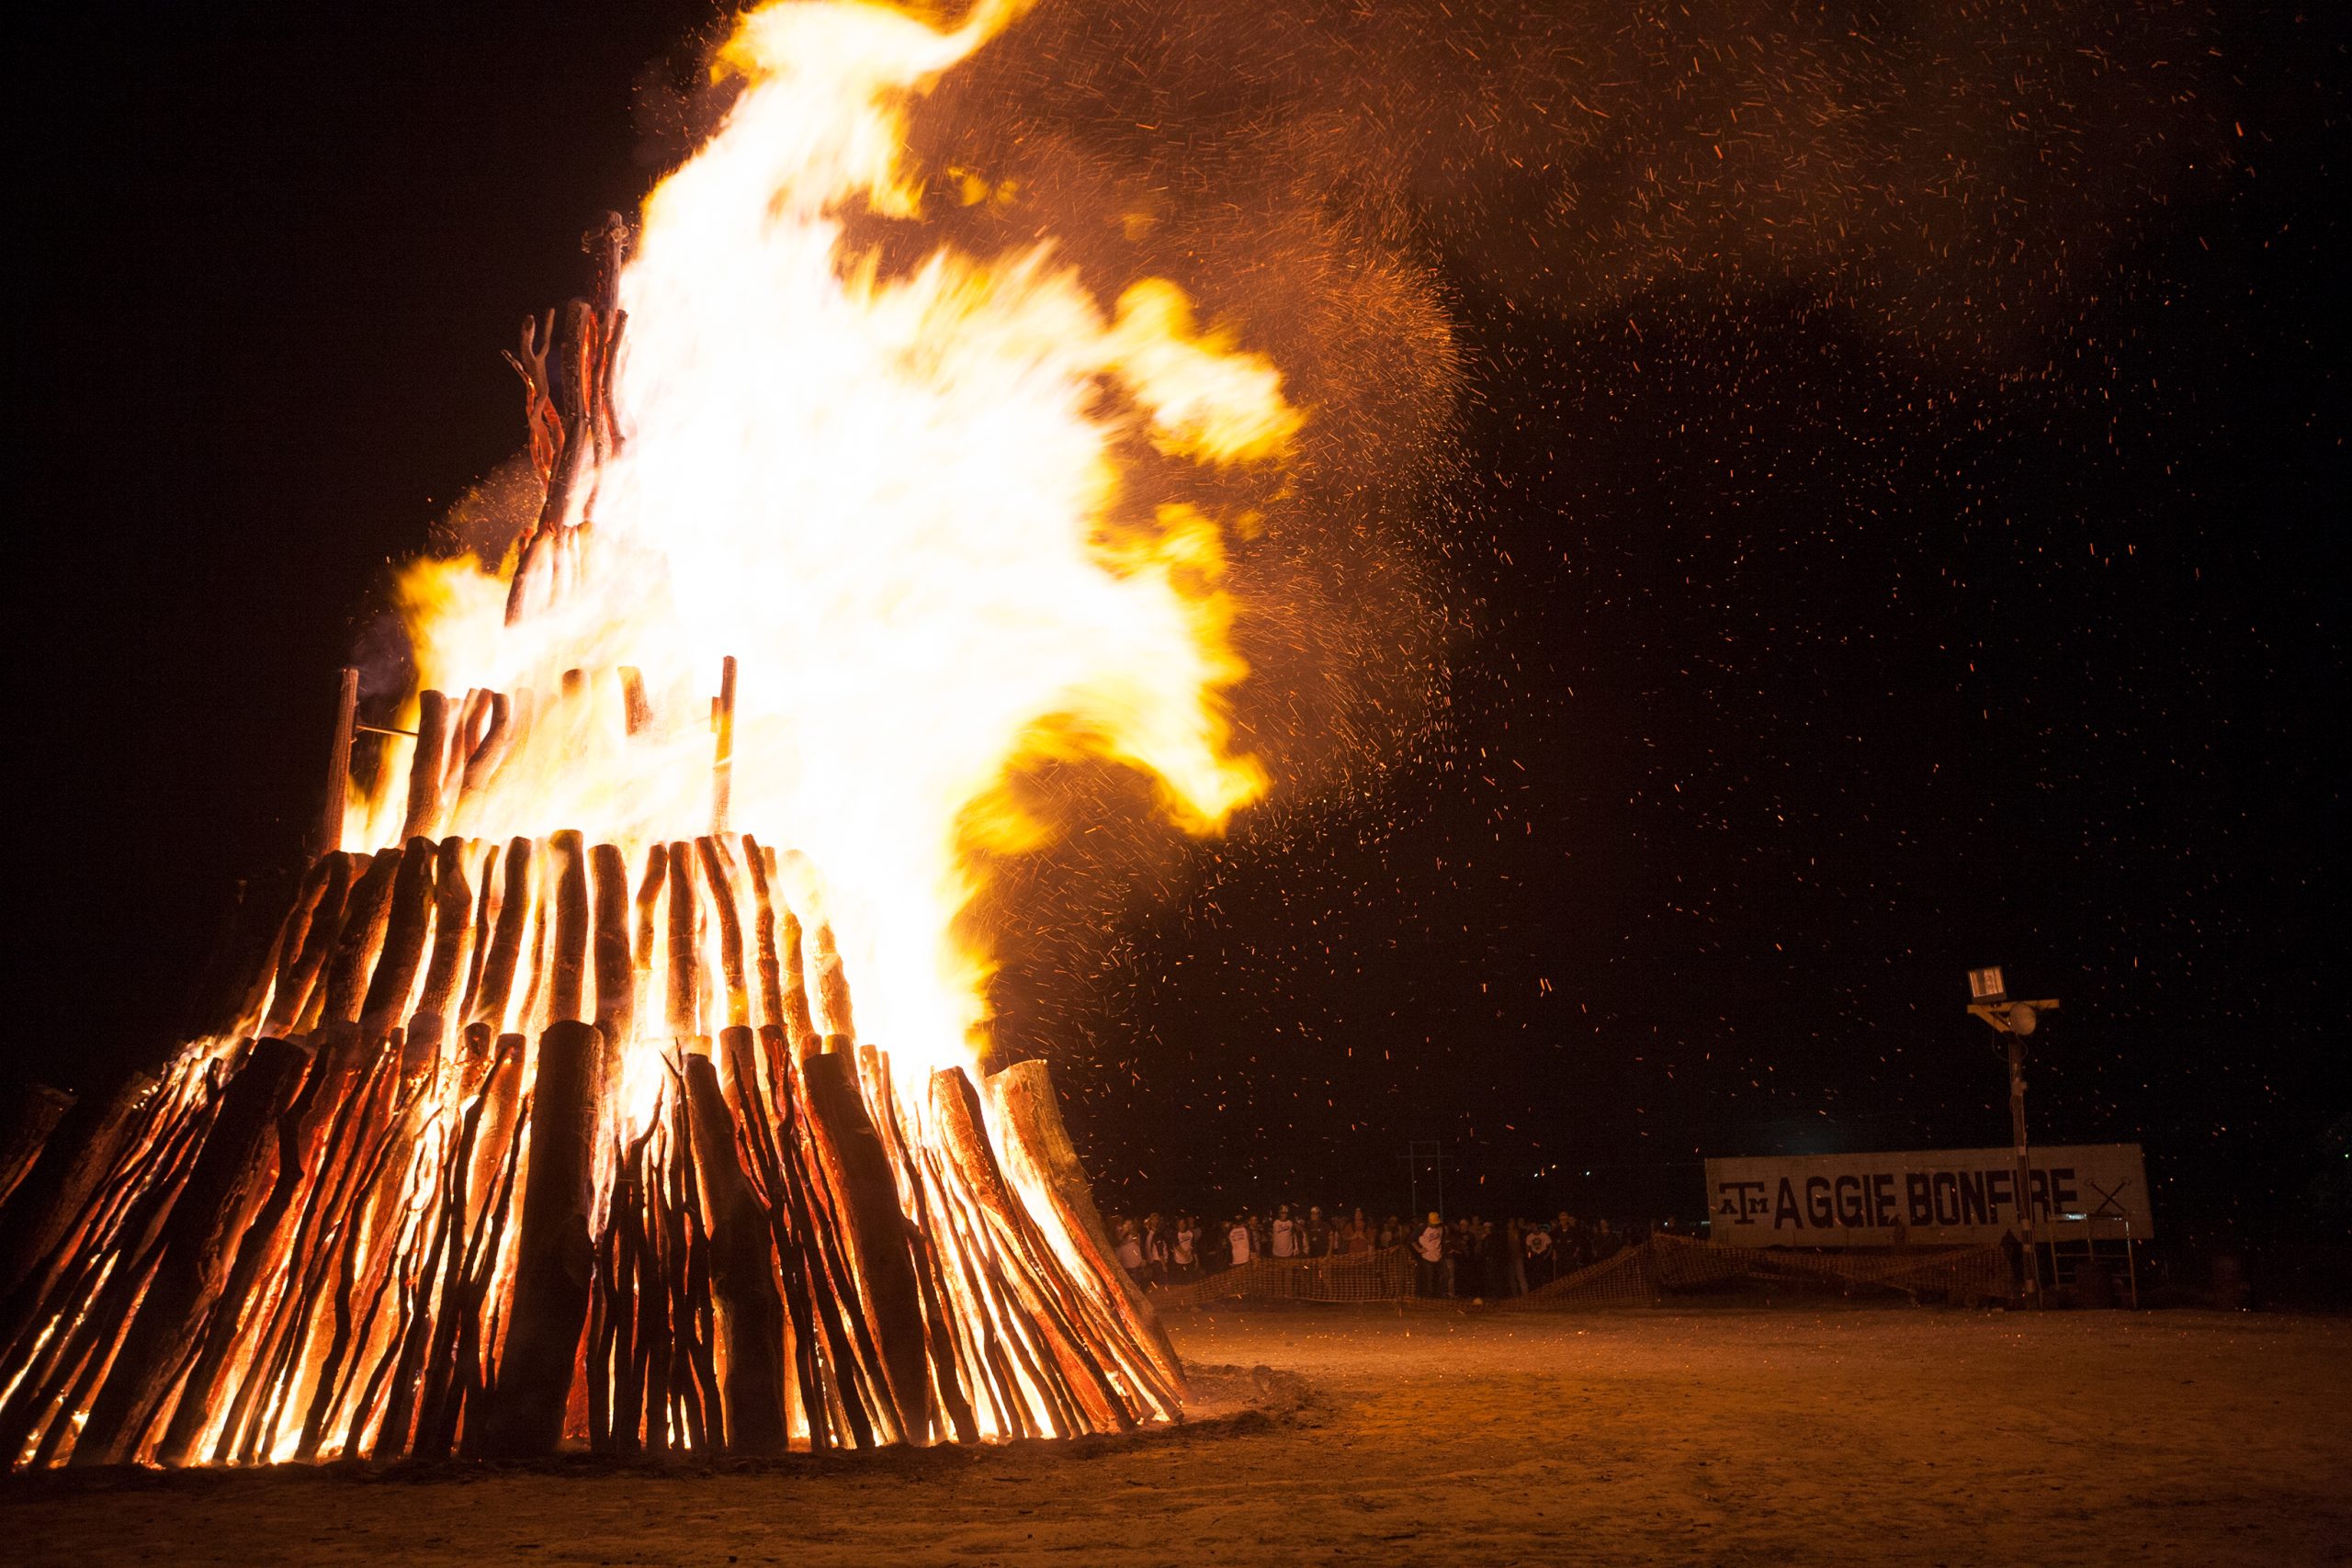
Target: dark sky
{"x": 1794, "y": 669}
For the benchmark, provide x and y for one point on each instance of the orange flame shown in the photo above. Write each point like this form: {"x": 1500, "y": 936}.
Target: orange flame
{"x": 896, "y": 497}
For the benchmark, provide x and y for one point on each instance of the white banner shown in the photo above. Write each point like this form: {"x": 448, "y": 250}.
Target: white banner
{"x": 1928, "y": 1196}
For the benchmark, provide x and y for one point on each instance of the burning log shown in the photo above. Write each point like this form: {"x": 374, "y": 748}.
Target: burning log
{"x": 208, "y": 1217}
{"x": 506, "y": 945}
{"x": 637, "y": 713}
{"x": 402, "y": 952}
{"x": 744, "y": 1272}
{"x": 294, "y": 983}
{"x": 63, "y": 1322}
{"x": 712, "y": 853}
{"x": 556, "y": 1255}
{"x": 832, "y": 986}
{"x": 426, "y": 766}
{"x": 482, "y": 763}
{"x": 685, "y": 963}
{"x": 194, "y": 1406}
{"x": 859, "y": 1171}
{"x": 361, "y": 938}
{"x": 570, "y": 900}
{"x": 722, "y": 766}
{"x": 347, "y": 719}
{"x": 453, "y": 937}
{"x": 616, "y": 968}
{"x": 386, "y": 1247}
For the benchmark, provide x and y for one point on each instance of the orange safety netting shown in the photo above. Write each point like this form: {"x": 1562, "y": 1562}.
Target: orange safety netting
{"x": 1657, "y": 1269}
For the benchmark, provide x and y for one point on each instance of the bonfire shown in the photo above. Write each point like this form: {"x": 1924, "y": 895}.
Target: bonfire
{"x": 619, "y": 1073}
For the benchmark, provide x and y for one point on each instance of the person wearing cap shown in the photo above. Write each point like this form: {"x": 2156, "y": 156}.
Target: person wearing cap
{"x": 1285, "y": 1233}
{"x": 1428, "y": 1258}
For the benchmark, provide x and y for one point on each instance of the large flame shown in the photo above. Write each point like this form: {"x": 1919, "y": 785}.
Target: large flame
{"x": 900, "y": 499}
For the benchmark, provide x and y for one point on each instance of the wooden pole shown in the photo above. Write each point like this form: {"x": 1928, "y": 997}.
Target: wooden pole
{"x": 636, "y": 714}
{"x": 615, "y": 967}
{"x": 722, "y": 767}
{"x": 425, "y": 767}
{"x": 860, "y": 1171}
{"x": 555, "y": 1257}
{"x": 347, "y": 718}
{"x": 361, "y": 938}
{"x": 685, "y": 951}
{"x": 403, "y": 951}
{"x": 569, "y": 898}
{"x": 742, "y": 1267}
{"x": 230, "y": 1178}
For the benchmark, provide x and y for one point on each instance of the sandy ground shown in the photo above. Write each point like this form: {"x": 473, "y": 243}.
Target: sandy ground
{"x": 1728, "y": 1436}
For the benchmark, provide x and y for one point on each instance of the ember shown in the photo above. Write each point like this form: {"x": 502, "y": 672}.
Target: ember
{"x": 523, "y": 1130}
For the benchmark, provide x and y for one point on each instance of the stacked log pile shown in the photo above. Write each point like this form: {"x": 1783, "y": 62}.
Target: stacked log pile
{"x": 439, "y": 1189}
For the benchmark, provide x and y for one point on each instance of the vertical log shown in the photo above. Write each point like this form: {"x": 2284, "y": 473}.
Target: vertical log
{"x": 453, "y": 932}
{"x": 487, "y": 908}
{"x": 615, "y": 967}
{"x": 361, "y": 938}
{"x": 712, "y": 850}
{"x": 426, "y": 766}
{"x": 648, "y": 899}
{"x": 555, "y": 1257}
{"x": 685, "y": 952}
{"x": 347, "y": 718}
{"x": 468, "y": 722}
{"x": 506, "y": 945}
{"x": 771, "y": 964}
{"x": 305, "y": 911}
{"x": 483, "y": 766}
{"x": 404, "y": 955}
{"x": 292, "y": 995}
{"x": 568, "y": 961}
{"x": 722, "y": 765}
{"x": 860, "y": 1169}
{"x": 743, "y": 1271}
{"x": 636, "y": 712}
{"x": 229, "y": 1180}
{"x": 833, "y": 983}
{"x": 799, "y": 1024}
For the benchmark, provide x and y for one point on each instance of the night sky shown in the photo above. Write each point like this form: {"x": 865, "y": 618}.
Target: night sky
{"x": 1788, "y": 639}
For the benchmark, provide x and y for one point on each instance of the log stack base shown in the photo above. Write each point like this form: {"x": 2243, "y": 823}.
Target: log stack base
{"x": 504, "y": 1153}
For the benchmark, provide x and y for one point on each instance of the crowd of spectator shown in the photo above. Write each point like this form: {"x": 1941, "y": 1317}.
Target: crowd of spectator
{"x": 1469, "y": 1256}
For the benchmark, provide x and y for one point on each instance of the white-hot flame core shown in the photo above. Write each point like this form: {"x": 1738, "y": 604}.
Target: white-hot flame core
{"x": 892, "y": 499}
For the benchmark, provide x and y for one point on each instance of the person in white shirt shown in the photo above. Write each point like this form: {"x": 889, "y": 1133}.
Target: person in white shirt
{"x": 1429, "y": 1259}
{"x": 1186, "y": 1256}
{"x": 1238, "y": 1239}
{"x": 1285, "y": 1233}
{"x": 1130, "y": 1250}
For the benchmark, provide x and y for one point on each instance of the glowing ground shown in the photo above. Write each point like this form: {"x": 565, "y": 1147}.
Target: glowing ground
{"x": 1725, "y": 1437}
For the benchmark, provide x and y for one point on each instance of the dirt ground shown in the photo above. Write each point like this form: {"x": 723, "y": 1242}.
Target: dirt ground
{"x": 1727, "y": 1436}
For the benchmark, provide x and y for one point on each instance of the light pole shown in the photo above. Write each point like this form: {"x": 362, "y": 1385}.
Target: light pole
{"x": 2015, "y": 1019}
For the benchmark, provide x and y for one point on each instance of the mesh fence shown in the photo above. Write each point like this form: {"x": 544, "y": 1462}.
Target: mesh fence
{"x": 1661, "y": 1268}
